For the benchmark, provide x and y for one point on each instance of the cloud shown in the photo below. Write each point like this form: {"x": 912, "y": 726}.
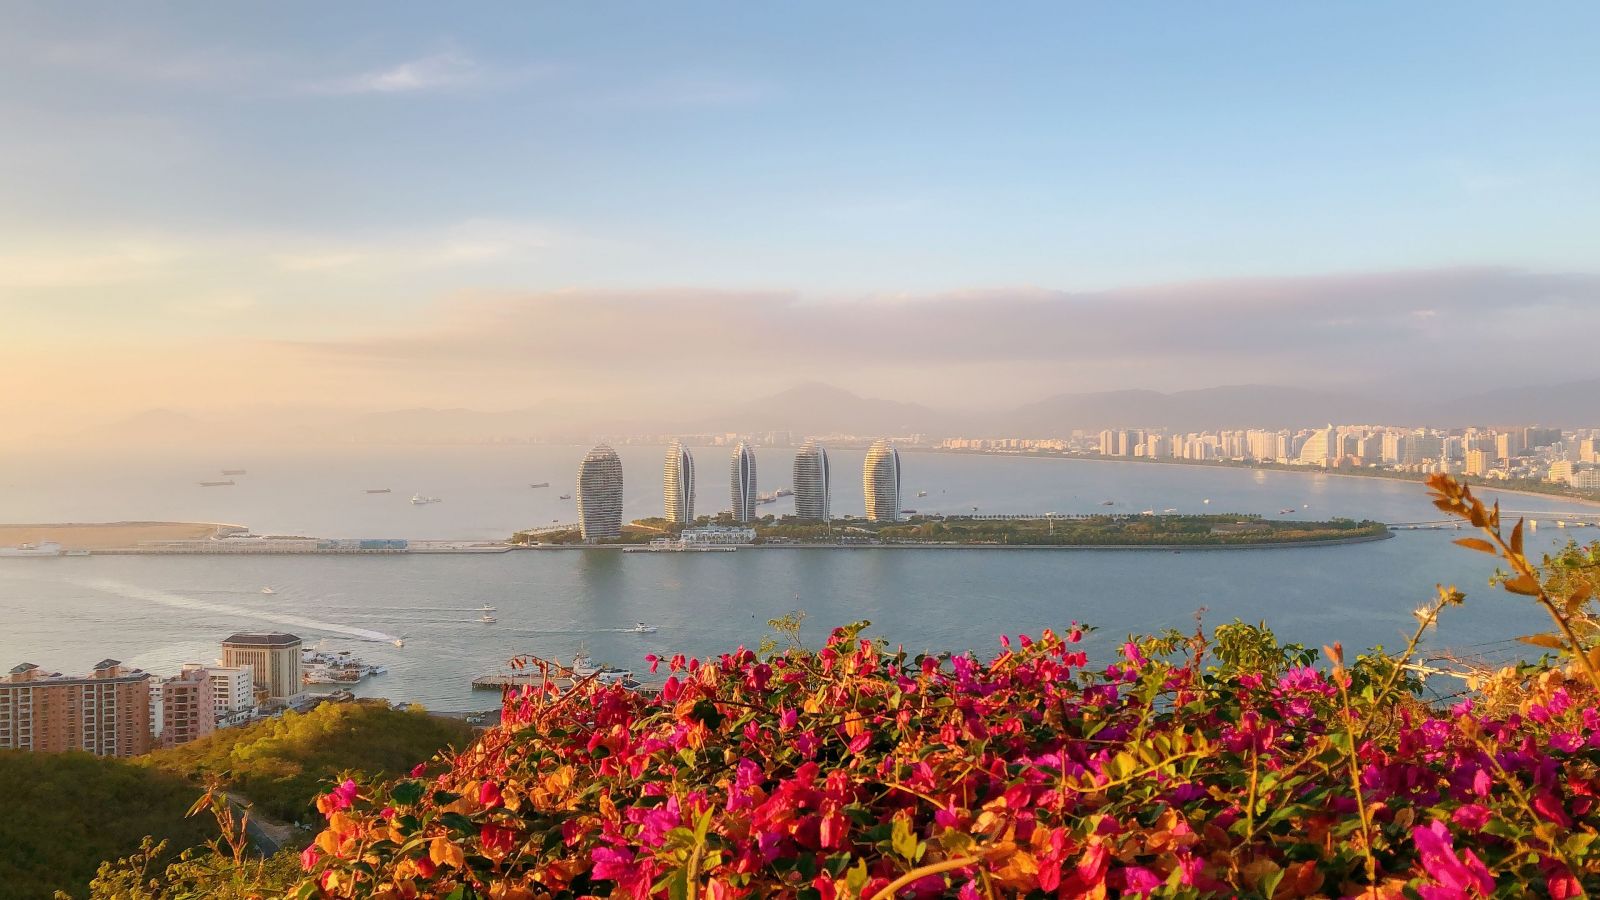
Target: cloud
{"x": 438, "y": 71}
{"x": 1293, "y": 330}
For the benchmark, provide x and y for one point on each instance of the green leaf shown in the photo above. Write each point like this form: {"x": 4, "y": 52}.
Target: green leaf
{"x": 856, "y": 878}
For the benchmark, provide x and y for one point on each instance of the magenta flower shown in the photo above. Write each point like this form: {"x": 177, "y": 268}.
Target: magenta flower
{"x": 1455, "y": 877}
{"x": 309, "y": 856}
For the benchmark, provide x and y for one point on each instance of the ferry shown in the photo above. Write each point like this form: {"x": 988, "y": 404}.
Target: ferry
{"x": 419, "y": 500}
{"x": 922, "y": 493}
{"x": 566, "y": 496}
{"x": 541, "y": 484}
{"x": 486, "y": 608}
{"x": 583, "y": 667}
{"x": 43, "y": 548}
{"x": 228, "y": 483}
{"x": 1108, "y": 503}
{"x": 1286, "y": 510}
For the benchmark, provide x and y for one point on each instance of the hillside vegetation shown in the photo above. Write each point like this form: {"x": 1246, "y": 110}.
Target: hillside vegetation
{"x": 281, "y": 764}
{"x": 63, "y": 813}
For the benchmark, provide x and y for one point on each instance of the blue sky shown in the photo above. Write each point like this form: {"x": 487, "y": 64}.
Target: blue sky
{"x": 289, "y": 172}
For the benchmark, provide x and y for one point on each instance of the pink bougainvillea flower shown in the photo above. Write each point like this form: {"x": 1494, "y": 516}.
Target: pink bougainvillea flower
{"x": 1455, "y": 877}
{"x": 309, "y": 856}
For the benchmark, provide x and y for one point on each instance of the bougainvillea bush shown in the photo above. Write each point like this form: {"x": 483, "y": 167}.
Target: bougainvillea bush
{"x": 1210, "y": 765}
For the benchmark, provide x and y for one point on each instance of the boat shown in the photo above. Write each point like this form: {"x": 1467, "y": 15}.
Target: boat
{"x": 399, "y": 642}
{"x": 908, "y": 512}
{"x": 540, "y": 484}
{"x": 1286, "y": 510}
{"x": 378, "y": 490}
{"x": 1108, "y": 503}
{"x": 75, "y": 553}
{"x": 228, "y": 483}
{"x": 1169, "y": 510}
{"x": 922, "y": 493}
{"x": 583, "y": 667}
{"x": 43, "y": 548}
{"x": 1206, "y": 500}
{"x": 267, "y": 590}
{"x": 486, "y": 608}
{"x": 420, "y": 500}
{"x": 642, "y": 628}
{"x": 566, "y": 496}
{"x": 487, "y": 619}
{"x": 233, "y": 471}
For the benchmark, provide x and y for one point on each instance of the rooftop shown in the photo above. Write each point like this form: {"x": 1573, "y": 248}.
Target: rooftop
{"x": 261, "y": 639}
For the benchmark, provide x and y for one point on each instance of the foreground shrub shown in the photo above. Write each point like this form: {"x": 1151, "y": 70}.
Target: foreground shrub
{"x": 281, "y": 764}
{"x": 61, "y": 814}
{"x": 855, "y": 771}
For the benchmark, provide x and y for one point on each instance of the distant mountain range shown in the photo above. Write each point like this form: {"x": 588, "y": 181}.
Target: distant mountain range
{"x": 818, "y": 409}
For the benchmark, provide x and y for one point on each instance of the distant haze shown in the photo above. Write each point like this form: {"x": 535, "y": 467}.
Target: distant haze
{"x": 299, "y": 219}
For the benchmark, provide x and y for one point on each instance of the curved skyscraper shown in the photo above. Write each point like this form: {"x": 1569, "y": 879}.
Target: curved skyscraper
{"x": 743, "y": 474}
{"x": 812, "y": 487}
{"x": 1320, "y": 447}
{"x": 677, "y": 483}
{"x": 600, "y": 494}
{"x": 880, "y": 481}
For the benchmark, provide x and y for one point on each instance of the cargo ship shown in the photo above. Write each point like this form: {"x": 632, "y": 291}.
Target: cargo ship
{"x": 378, "y": 490}
{"x": 233, "y": 471}
{"x": 540, "y": 484}
{"x": 228, "y": 483}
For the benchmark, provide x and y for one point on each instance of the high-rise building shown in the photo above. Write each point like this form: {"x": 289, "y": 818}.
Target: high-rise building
{"x": 813, "y": 487}
{"x": 1321, "y": 447}
{"x": 274, "y": 661}
{"x": 600, "y": 495}
{"x": 742, "y": 477}
{"x": 188, "y": 706}
{"x": 106, "y": 712}
{"x": 880, "y": 482}
{"x": 1508, "y": 444}
{"x": 233, "y": 692}
{"x": 677, "y": 483}
{"x": 1478, "y": 461}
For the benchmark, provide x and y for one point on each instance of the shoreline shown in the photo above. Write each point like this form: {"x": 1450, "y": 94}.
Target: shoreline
{"x": 1265, "y": 545}
{"x": 1305, "y": 471}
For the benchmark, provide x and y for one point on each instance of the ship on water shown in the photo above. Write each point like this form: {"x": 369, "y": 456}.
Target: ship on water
{"x": 233, "y": 471}
{"x": 420, "y": 500}
{"x": 378, "y": 490}
{"x": 540, "y": 484}
{"x": 228, "y": 483}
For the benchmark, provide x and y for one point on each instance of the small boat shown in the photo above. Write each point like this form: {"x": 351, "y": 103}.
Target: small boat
{"x": 540, "y": 484}
{"x": 487, "y": 619}
{"x": 233, "y": 471}
{"x": 486, "y": 608}
{"x": 399, "y": 642}
{"x": 922, "y": 493}
{"x": 1286, "y": 510}
{"x": 1206, "y": 500}
{"x": 228, "y": 483}
{"x": 566, "y": 496}
{"x": 642, "y": 628}
{"x": 1108, "y": 503}
{"x": 1169, "y": 510}
{"x": 378, "y": 490}
{"x": 420, "y": 500}
{"x": 267, "y": 590}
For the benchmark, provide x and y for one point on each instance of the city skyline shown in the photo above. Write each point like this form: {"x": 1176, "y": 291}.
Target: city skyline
{"x": 523, "y": 206}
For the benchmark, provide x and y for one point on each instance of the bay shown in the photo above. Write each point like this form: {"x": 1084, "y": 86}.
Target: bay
{"x": 161, "y": 611}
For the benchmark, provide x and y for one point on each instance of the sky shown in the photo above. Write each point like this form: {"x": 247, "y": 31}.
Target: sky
{"x": 671, "y": 206}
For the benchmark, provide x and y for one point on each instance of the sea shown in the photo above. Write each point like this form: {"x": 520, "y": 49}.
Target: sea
{"x": 158, "y": 612}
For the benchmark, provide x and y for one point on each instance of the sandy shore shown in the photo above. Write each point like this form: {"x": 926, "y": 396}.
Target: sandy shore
{"x": 109, "y": 535}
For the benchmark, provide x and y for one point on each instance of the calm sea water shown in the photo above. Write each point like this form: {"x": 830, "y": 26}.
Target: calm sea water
{"x": 158, "y": 612}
